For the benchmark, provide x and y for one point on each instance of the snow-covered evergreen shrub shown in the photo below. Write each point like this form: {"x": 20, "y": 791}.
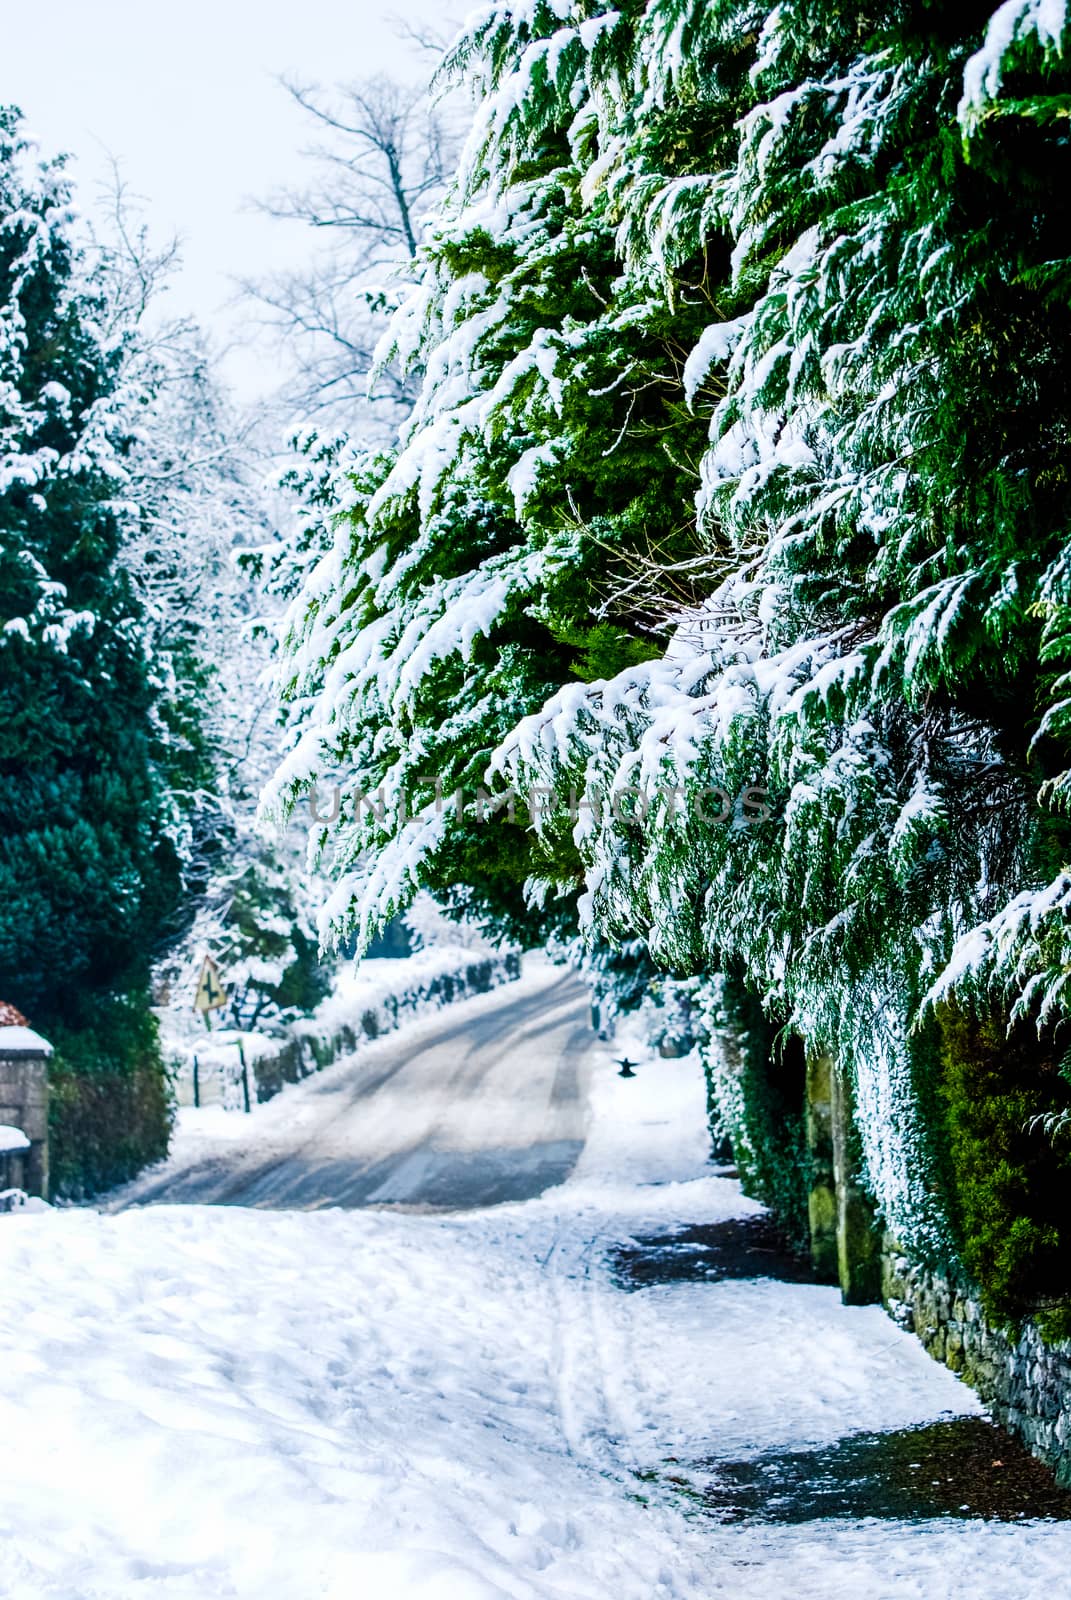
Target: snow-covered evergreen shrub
{"x": 619, "y": 979}
{"x": 671, "y": 1015}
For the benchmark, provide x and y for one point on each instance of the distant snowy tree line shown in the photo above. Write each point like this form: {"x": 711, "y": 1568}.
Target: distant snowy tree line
{"x": 739, "y": 456}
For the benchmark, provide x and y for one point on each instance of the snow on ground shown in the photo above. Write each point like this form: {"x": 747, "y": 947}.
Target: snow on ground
{"x": 201, "y": 1403}
{"x": 388, "y": 989}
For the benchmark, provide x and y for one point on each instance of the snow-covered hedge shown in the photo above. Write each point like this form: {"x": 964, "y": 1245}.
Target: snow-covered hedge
{"x": 366, "y": 1003}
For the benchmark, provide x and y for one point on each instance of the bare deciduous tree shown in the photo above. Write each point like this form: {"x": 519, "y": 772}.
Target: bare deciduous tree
{"x": 383, "y": 156}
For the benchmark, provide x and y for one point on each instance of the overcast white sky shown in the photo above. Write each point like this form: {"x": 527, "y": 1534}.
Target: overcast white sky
{"x": 185, "y": 97}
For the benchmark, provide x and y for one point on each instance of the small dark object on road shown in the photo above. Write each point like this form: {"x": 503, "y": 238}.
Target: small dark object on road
{"x": 626, "y": 1067}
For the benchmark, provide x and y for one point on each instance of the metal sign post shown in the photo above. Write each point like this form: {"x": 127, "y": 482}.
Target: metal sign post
{"x": 245, "y": 1077}
{"x": 211, "y": 995}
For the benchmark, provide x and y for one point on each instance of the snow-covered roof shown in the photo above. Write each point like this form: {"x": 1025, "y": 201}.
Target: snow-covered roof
{"x": 19, "y": 1041}
{"x": 12, "y": 1139}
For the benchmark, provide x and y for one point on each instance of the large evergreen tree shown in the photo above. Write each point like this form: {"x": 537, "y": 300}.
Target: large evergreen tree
{"x": 834, "y": 243}
{"x": 92, "y": 743}
{"x": 478, "y": 564}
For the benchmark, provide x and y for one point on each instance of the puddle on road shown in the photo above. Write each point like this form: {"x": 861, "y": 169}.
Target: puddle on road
{"x": 962, "y": 1467}
{"x": 743, "y": 1247}
{"x": 966, "y": 1467}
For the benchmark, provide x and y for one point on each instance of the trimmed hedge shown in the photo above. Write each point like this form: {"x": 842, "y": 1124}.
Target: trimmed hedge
{"x": 111, "y": 1104}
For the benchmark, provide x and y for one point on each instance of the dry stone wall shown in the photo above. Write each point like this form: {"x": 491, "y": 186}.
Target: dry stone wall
{"x": 1026, "y": 1383}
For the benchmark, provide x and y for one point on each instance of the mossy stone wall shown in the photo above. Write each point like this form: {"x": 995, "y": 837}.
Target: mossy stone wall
{"x": 1025, "y": 1381}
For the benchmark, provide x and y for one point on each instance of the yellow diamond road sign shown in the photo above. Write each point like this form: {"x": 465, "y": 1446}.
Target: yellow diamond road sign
{"x": 210, "y": 991}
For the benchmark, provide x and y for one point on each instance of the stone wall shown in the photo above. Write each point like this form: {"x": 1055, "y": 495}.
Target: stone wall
{"x": 1026, "y": 1383}
{"x": 24, "y": 1104}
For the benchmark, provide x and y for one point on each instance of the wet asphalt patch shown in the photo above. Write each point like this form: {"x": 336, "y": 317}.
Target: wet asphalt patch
{"x": 965, "y": 1467}
{"x": 743, "y": 1247}
{"x": 958, "y": 1467}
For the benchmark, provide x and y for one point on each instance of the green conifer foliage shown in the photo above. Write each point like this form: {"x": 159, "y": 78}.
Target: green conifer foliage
{"x": 776, "y": 298}
{"x": 89, "y": 870}
{"x": 473, "y": 571}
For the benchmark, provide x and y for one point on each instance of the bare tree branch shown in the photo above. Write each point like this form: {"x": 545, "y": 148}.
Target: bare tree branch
{"x": 383, "y": 155}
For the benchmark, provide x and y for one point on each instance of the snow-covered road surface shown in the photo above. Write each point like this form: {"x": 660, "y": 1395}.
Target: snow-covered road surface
{"x": 213, "y": 1403}
{"x": 485, "y": 1102}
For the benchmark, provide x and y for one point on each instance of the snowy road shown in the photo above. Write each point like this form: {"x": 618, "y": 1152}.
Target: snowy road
{"x": 217, "y": 1403}
{"x": 484, "y": 1103}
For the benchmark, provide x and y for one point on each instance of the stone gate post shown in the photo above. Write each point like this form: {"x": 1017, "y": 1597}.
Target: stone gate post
{"x": 24, "y": 1092}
